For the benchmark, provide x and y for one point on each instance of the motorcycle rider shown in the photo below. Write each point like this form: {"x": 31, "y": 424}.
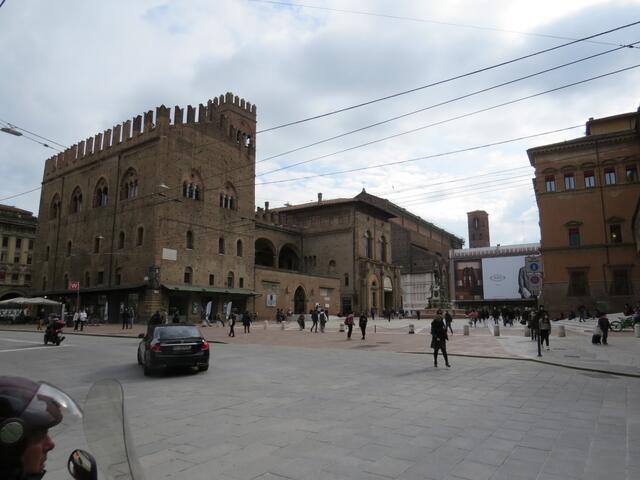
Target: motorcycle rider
{"x": 28, "y": 410}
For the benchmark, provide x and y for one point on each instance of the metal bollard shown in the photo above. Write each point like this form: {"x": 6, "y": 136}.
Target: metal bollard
{"x": 282, "y": 325}
{"x": 266, "y": 324}
{"x": 341, "y": 327}
{"x": 465, "y": 330}
{"x": 636, "y": 329}
{"x": 411, "y": 328}
{"x": 496, "y": 330}
{"x": 527, "y": 332}
{"x": 562, "y": 331}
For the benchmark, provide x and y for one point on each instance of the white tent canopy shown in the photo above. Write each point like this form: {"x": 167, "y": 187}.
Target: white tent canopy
{"x": 29, "y": 301}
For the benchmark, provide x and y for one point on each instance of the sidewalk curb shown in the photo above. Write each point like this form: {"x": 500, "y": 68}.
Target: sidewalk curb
{"x": 108, "y": 335}
{"x": 534, "y": 360}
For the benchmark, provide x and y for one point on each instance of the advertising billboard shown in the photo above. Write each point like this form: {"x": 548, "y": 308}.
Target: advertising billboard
{"x": 505, "y": 278}
{"x": 468, "y": 278}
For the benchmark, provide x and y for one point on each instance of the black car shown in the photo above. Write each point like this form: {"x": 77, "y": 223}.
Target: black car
{"x": 173, "y": 345}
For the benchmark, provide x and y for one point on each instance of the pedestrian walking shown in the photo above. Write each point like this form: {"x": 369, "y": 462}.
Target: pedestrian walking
{"x": 83, "y": 319}
{"x": 349, "y": 323}
{"x": 603, "y": 323}
{"x": 76, "y": 320}
{"x": 301, "y": 321}
{"x": 439, "y": 339}
{"x": 246, "y": 322}
{"x": 125, "y": 318}
{"x": 232, "y": 324}
{"x": 314, "y": 320}
{"x": 40, "y": 318}
{"x": 323, "y": 320}
{"x": 545, "y": 329}
{"x": 533, "y": 325}
{"x": 448, "y": 319}
{"x": 362, "y": 323}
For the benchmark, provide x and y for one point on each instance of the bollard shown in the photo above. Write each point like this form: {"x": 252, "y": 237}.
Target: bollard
{"x": 636, "y": 329}
{"x": 374, "y": 328}
{"x": 527, "y": 332}
{"x": 341, "y": 327}
{"x": 282, "y": 325}
{"x": 411, "y": 328}
{"x": 496, "y": 330}
{"x": 465, "y": 330}
{"x": 266, "y": 324}
{"x": 561, "y": 331}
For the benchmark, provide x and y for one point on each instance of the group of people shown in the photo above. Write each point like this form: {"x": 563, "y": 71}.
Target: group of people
{"x": 507, "y": 314}
{"x": 127, "y": 314}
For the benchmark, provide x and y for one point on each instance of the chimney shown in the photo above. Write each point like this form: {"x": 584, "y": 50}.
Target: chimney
{"x": 266, "y": 206}
{"x": 320, "y": 197}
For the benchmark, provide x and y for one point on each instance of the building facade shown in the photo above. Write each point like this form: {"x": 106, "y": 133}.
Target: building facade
{"x": 154, "y": 214}
{"x": 587, "y": 192}
{"x": 17, "y": 236}
{"x": 478, "y": 224}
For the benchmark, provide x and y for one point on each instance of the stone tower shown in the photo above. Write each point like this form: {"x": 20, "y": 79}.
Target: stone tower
{"x": 478, "y": 229}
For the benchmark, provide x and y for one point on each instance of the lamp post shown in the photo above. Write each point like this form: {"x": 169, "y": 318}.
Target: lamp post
{"x": 11, "y": 131}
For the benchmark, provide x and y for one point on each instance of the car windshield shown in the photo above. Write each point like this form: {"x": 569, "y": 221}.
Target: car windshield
{"x": 182, "y": 331}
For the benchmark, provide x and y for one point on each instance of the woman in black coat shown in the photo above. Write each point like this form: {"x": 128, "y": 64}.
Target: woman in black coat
{"x": 439, "y": 339}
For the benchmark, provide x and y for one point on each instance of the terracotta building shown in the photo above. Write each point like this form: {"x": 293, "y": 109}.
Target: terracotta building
{"x": 154, "y": 214}
{"x": 17, "y": 234}
{"x": 587, "y": 192}
{"x": 478, "y": 224}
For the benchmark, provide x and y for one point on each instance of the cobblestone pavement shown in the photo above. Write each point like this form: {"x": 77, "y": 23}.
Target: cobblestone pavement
{"x": 265, "y": 412}
{"x": 622, "y": 355}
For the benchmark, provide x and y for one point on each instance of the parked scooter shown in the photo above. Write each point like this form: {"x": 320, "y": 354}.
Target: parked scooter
{"x": 53, "y": 332}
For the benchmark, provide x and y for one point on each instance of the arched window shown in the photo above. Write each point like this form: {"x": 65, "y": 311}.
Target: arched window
{"x": 188, "y": 275}
{"x": 383, "y": 249}
{"x": 221, "y": 245}
{"x": 140, "y": 236}
{"x": 129, "y": 186}
{"x": 101, "y": 194}
{"x": 346, "y": 279}
{"x": 265, "y": 253}
{"x": 46, "y": 253}
{"x": 368, "y": 250}
{"x": 230, "y": 280}
{"x": 332, "y": 266}
{"x": 54, "y": 210}
{"x": 189, "y": 239}
{"x": 239, "y": 248}
{"x": 192, "y": 187}
{"x": 228, "y": 197}
{"x": 121, "y": 240}
{"x": 76, "y": 201}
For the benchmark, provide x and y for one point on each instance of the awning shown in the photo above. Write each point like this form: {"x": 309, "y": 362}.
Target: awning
{"x": 220, "y": 290}
{"x": 29, "y": 301}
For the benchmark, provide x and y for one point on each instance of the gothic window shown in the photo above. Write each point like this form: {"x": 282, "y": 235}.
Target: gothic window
{"x": 129, "y": 187}
{"x": 101, "y": 194}
{"x": 190, "y": 240}
{"x": 368, "y": 245}
{"x": 383, "y": 249}
{"x": 221, "y": 245}
{"x": 96, "y": 244}
{"x": 230, "y": 280}
{"x": 228, "y": 197}
{"x": 140, "y": 236}
{"x": 239, "y": 248}
{"x": 76, "y": 201}
{"x": 121, "y": 240}
{"x": 46, "y": 253}
{"x": 54, "y": 210}
{"x": 188, "y": 275}
{"x": 192, "y": 187}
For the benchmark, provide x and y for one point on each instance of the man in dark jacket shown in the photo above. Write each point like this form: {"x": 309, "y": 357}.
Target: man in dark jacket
{"x": 603, "y": 323}
{"x": 439, "y": 339}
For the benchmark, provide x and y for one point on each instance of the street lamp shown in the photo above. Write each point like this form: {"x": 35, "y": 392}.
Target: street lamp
{"x": 11, "y": 131}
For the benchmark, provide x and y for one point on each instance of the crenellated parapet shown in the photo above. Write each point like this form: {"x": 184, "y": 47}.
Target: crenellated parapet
{"x": 231, "y": 114}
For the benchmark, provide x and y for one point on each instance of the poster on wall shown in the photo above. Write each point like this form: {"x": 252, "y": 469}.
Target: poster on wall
{"x": 468, "y": 278}
{"x": 505, "y": 278}
{"x": 271, "y": 299}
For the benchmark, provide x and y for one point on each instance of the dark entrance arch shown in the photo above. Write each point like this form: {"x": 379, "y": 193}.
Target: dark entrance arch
{"x": 299, "y": 301}
{"x": 265, "y": 253}
{"x": 288, "y": 259}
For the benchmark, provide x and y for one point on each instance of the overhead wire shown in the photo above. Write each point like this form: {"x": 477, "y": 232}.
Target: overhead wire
{"x": 425, "y": 20}
{"x": 447, "y": 80}
{"x": 439, "y": 104}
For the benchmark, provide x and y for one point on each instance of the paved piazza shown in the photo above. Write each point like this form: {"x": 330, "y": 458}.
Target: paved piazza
{"x": 278, "y": 412}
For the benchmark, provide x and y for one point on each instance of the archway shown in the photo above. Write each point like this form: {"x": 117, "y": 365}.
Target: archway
{"x": 265, "y": 253}
{"x": 299, "y": 301}
{"x": 288, "y": 258}
{"x": 388, "y": 293}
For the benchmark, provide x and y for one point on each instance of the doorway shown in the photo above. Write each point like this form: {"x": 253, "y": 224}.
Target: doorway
{"x": 299, "y": 301}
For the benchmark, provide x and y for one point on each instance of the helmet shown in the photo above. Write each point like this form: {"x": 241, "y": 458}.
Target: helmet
{"x": 28, "y": 407}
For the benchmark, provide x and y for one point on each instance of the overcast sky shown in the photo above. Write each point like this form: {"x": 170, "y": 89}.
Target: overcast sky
{"x": 71, "y": 69}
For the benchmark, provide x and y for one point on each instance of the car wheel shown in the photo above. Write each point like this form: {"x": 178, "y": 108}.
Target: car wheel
{"x": 203, "y": 368}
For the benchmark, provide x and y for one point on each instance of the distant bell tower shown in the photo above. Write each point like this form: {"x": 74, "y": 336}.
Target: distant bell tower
{"x": 478, "y": 229}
